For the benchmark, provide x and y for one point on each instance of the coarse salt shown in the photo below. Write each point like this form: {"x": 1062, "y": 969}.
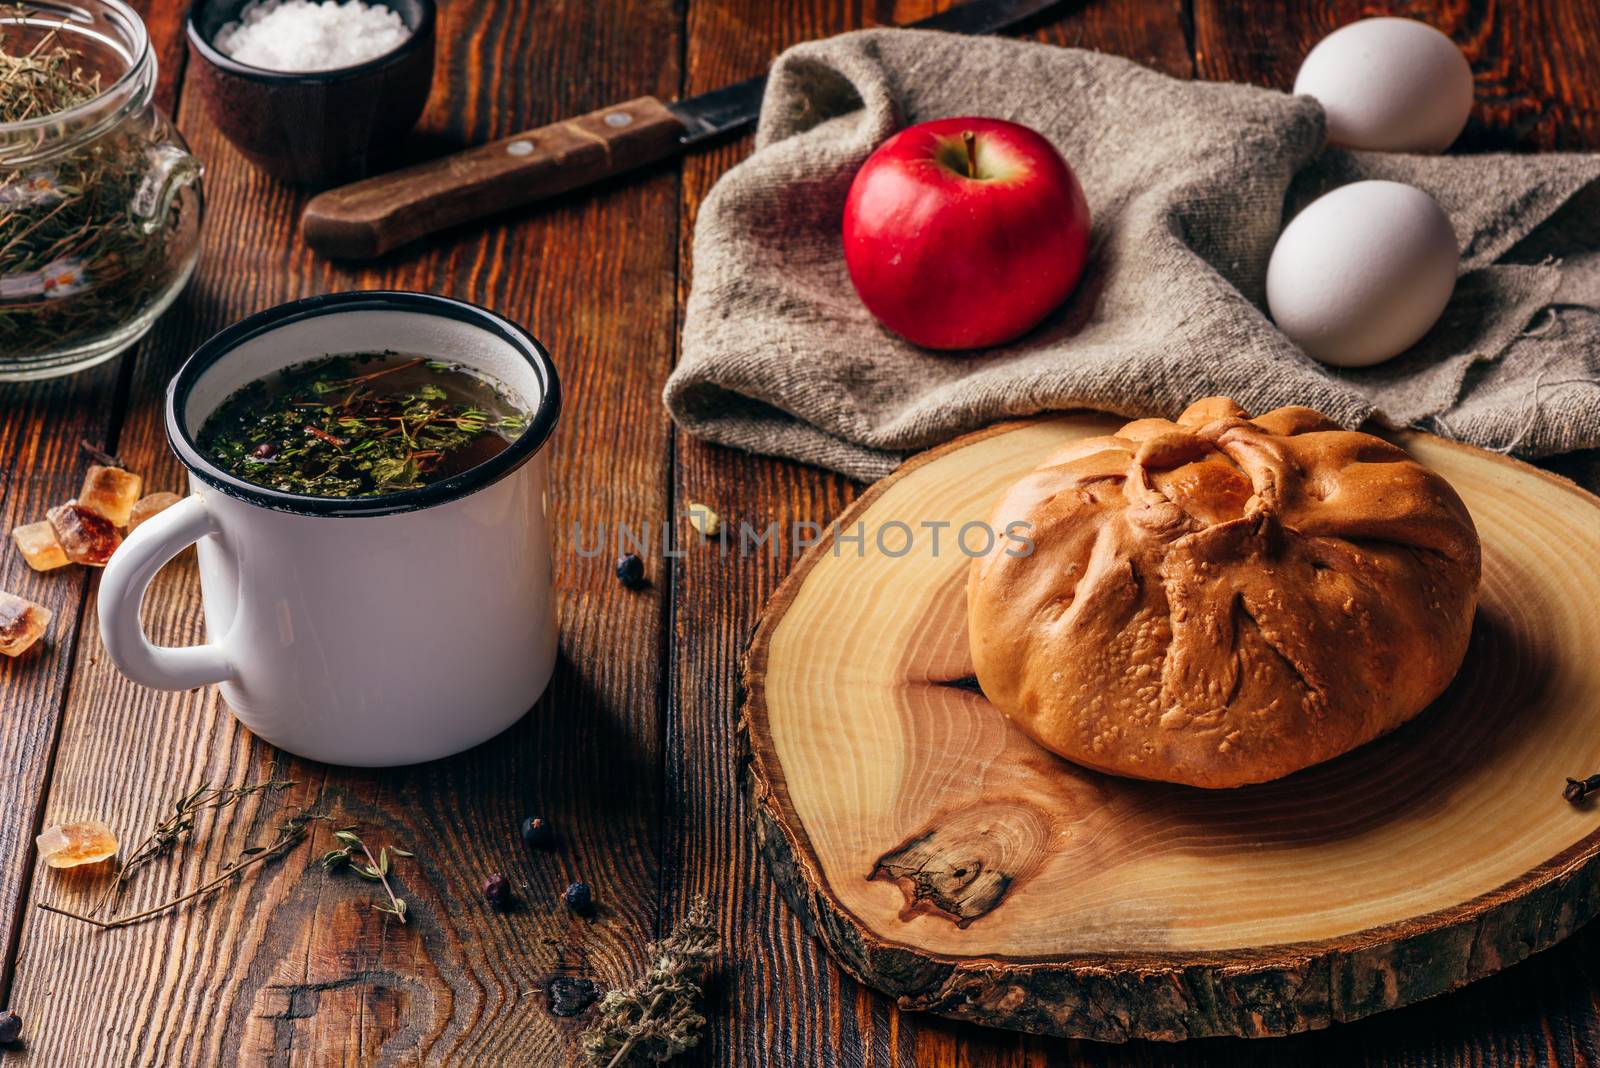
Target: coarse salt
{"x": 302, "y": 35}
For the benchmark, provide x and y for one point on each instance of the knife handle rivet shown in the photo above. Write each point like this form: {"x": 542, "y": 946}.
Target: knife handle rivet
{"x": 618, "y": 118}
{"x": 520, "y": 147}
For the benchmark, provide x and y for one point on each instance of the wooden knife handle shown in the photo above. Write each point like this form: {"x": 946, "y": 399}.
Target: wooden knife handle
{"x": 368, "y": 218}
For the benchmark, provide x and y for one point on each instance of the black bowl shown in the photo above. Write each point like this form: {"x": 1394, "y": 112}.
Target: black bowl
{"x": 320, "y": 127}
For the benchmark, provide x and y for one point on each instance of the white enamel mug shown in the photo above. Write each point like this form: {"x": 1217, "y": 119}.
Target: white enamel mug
{"x": 367, "y": 631}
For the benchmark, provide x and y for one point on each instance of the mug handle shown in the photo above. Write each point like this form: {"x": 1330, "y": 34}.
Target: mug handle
{"x": 122, "y": 588}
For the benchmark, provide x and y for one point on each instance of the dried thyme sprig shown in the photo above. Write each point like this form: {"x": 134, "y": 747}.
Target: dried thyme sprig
{"x": 376, "y": 869}
{"x": 290, "y": 833}
{"x": 657, "y": 1019}
{"x": 169, "y": 831}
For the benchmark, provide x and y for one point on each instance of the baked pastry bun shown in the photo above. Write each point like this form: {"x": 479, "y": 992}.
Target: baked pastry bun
{"x": 1223, "y": 600}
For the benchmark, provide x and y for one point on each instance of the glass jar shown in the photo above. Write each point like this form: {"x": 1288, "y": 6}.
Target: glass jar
{"x": 100, "y": 202}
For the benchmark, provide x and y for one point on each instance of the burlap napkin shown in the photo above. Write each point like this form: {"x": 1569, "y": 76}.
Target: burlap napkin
{"x": 1188, "y": 184}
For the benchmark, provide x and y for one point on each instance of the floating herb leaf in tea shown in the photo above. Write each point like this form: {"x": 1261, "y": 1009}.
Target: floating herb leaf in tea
{"x": 84, "y": 249}
{"x": 360, "y": 425}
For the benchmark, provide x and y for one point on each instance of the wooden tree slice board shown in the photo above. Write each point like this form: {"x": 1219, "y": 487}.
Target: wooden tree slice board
{"x": 947, "y": 860}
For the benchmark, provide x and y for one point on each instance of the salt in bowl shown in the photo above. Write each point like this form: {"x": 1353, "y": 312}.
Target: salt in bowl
{"x": 315, "y": 128}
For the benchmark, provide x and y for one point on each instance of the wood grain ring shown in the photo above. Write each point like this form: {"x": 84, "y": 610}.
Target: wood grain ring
{"x": 1170, "y": 984}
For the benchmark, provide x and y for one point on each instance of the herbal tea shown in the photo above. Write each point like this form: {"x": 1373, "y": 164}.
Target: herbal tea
{"x": 359, "y": 425}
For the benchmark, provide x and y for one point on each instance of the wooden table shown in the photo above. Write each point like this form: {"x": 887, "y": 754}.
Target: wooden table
{"x": 633, "y": 754}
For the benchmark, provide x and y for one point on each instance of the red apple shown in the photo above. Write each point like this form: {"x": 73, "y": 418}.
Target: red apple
{"x": 962, "y": 233}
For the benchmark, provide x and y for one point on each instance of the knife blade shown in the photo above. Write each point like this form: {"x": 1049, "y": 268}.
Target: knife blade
{"x": 368, "y": 218}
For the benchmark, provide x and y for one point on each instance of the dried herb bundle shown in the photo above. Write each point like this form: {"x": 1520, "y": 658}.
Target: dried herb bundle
{"x": 656, "y": 1020}
{"x": 171, "y": 830}
{"x": 358, "y": 425}
{"x": 77, "y": 259}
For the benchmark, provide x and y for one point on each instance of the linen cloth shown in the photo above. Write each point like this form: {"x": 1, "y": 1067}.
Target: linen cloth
{"x": 1188, "y": 183}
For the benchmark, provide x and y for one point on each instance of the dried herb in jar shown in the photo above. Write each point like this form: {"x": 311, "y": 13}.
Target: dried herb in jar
{"x": 360, "y": 425}
{"x": 83, "y": 249}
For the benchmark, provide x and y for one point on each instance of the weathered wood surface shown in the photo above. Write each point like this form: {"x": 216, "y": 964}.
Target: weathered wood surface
{"x": 41, "y": 426}
{"x": 634, "y": 752}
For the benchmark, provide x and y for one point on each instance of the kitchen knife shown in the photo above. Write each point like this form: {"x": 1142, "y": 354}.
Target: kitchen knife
{"x": 368, "y": 218}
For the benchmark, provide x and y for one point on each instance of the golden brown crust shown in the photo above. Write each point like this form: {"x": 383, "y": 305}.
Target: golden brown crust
{"x": 1223, "y": 600}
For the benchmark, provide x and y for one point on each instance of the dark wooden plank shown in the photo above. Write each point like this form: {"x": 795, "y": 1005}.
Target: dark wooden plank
{"x": 164, "y": 23}
{"x": 41, "y": 424}
{"x": 292, "y": 966}
{"x": 40, "y": 466}
{"x": 785, "y": 1002}
{"x": 1532, "y": 63}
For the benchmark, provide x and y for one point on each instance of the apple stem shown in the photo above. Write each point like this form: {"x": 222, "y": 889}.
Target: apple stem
{"x": 971, "y": 142}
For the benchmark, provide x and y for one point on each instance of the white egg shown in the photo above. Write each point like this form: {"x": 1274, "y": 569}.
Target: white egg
{"x": 1362, "y": 272}
{"x": 1389, "y": 85}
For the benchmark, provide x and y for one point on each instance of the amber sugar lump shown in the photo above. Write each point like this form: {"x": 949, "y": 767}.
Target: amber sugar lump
{"x": 110, "y": 492}
{"x": 151, "y": 504}
{"x": 21, "y": 623}
{"x": 88, "y": 537}
{"x": 39, "y": 546}
{"x": 70, "y": 845}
